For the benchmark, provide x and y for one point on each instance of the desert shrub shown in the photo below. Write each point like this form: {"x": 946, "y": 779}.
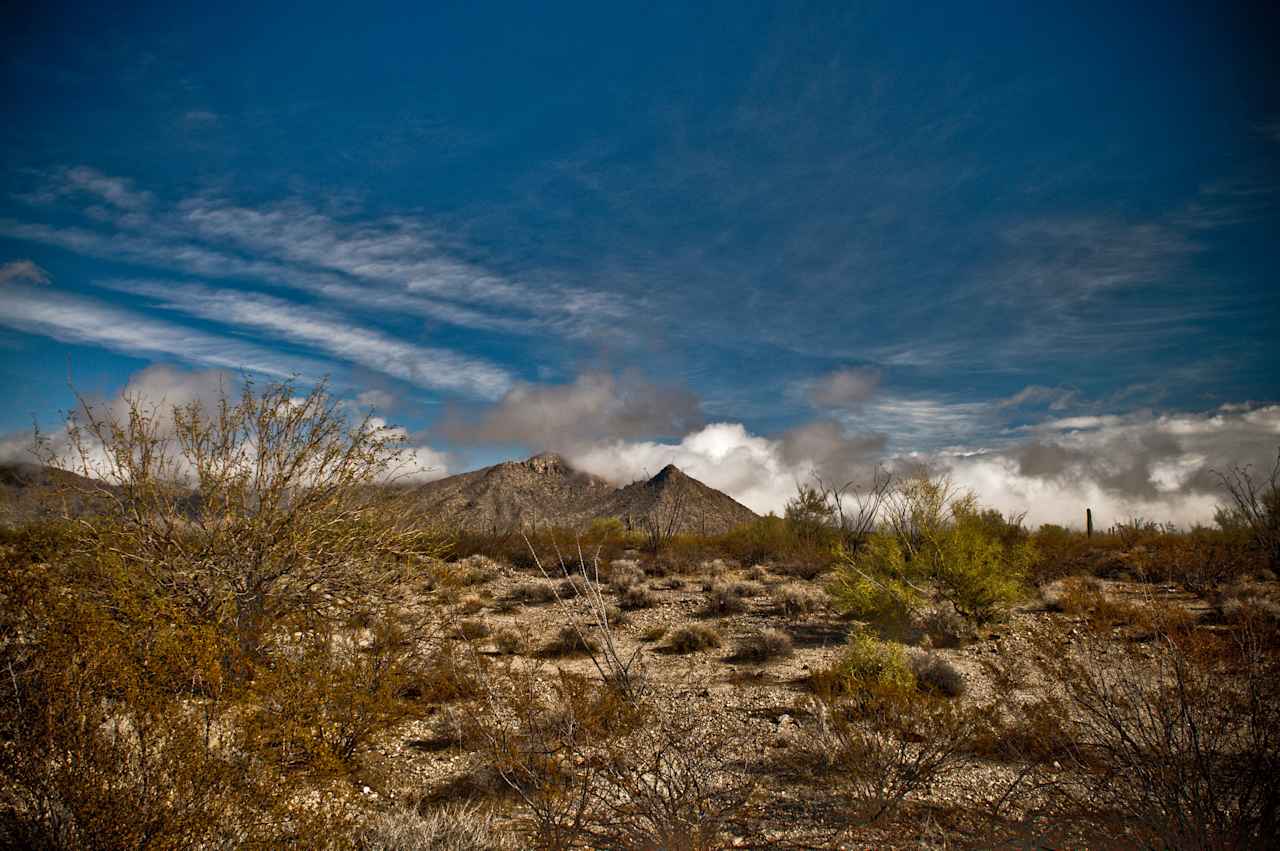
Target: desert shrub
{"x": 756, "y": 573}
{"x": 762, "y": 646}
{"x": 288, "y": 479}
{"x": 637, "y": 597}
{"x": 509, "y": 640}
{"x": 1030, "y": 732}
{"x": 471, "y": 604}
{"x": 472, "y": 630}
{"x": 544, "y": 739}
{"x": 945, "y": 627}
{"x": 670, "y": 785}
{"x": 691, "y": 637}
{"x": 939, "y": 543}
{"x": 867, "y": 664}
{"x": 881, "y": 747}
{"x": 623, "y": 573}
{"x": 532, "y": 592}
{"x": 726, "y": 598}
{"x": 770, "y": 539}
{"x": 1254, "y": 506}
{"x": 653, "y": 633}
{"x": 569, "y": 640}
{"x": 1179, "y": 745}
{"x": 452, "y": 827}
{"x": 936, "y": 675}
{"x": 206, "y": 649}
{"x": 574, "y": 586}
{"x": 320, "y": 705}
{"x": 793, "y": 598}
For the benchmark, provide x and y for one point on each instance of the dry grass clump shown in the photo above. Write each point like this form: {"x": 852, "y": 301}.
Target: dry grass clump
{"x": 762, "y": 646}
{"x": 936, "y": 675}
{"x": 476, "y": 570}
{"x": 452, "y": 827}
{"x": 472, "y": 629}
{"x": 623, "y": 573}
{"x": 568, "y": 641}
{"x": 691, "y": 637}
{"x": 637, "y": 597}
{"x": 756, "y": 573}
{"x": 531, "y": 592}
{"x": 714, "y": 567}
{"x": 509, "y": 641}
{"x": 472, "y": 604}
{"x": 576, "y": 585}
{"x": 653, "y": 633}
{"x": 726, "y": 598}
{"x": 793, "y": 598}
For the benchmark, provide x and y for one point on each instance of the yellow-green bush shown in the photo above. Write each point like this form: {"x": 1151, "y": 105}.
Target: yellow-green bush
{"x": 937, "y": 543}
{"x": 867, "y": 664}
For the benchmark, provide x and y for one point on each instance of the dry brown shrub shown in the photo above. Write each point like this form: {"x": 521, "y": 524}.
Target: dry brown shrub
{"x": 762, "y": 646}
{"x": 881, "y": 747}
{"x": 637, "y": 597}
{"x": 691, "y": 637}
{"x": 419, "y": 827}
{"x": 569, "y": 640}
{"x": 1177, "y": 745}
{"x": 726, "y": 598}
{"x": 532, "y": 592}
{"x": 794, "y": 598}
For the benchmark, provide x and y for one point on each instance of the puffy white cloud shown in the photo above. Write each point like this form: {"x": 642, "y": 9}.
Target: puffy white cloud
{"x": 1157, "y": 466}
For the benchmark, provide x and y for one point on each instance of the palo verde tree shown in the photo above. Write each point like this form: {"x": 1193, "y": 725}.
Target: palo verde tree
{"x": 933, "y": 544}
{"x": 272, "y": 503}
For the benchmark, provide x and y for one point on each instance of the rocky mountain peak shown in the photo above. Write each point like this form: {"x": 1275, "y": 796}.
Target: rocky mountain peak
{"x": 546, "y": 462}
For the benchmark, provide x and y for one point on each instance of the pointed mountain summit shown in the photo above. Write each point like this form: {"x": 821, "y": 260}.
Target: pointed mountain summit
{"x": 677, "y": 497}
{"x": 546, "y": 490}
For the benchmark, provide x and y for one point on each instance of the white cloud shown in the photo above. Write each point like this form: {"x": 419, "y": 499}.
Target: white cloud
{"x": 74, "y": 319}
{"x": 1160, "y": 467}
{"x": 332, "y": 333}
{"x": 844, "y": 388}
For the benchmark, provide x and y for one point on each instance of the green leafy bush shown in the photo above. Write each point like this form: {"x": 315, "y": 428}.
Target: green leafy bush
{"x": 937, "y": 543}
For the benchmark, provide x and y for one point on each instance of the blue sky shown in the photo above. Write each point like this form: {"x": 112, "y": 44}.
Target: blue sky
{"x": 925, "y": 230}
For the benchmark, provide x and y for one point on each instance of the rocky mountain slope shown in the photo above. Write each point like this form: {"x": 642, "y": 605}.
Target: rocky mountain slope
{"x": 546, "y": 491}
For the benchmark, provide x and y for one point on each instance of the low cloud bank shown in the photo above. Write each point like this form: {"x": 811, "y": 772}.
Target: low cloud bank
{"x": 1159, "y": 467}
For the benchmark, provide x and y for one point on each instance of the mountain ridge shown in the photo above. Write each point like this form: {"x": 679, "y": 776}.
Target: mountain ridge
{"x": 546, "y": 490}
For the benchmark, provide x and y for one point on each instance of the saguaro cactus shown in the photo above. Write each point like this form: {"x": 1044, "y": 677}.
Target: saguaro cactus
{"x": 1088, "y": 522}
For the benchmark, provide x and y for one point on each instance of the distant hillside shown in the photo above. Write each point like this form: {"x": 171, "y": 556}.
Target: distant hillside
{"x": 31, "y": 491}
{"x": 696, "y": 508}
{"x": 543, "y": 490}
{"x": 546, "y": 491}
